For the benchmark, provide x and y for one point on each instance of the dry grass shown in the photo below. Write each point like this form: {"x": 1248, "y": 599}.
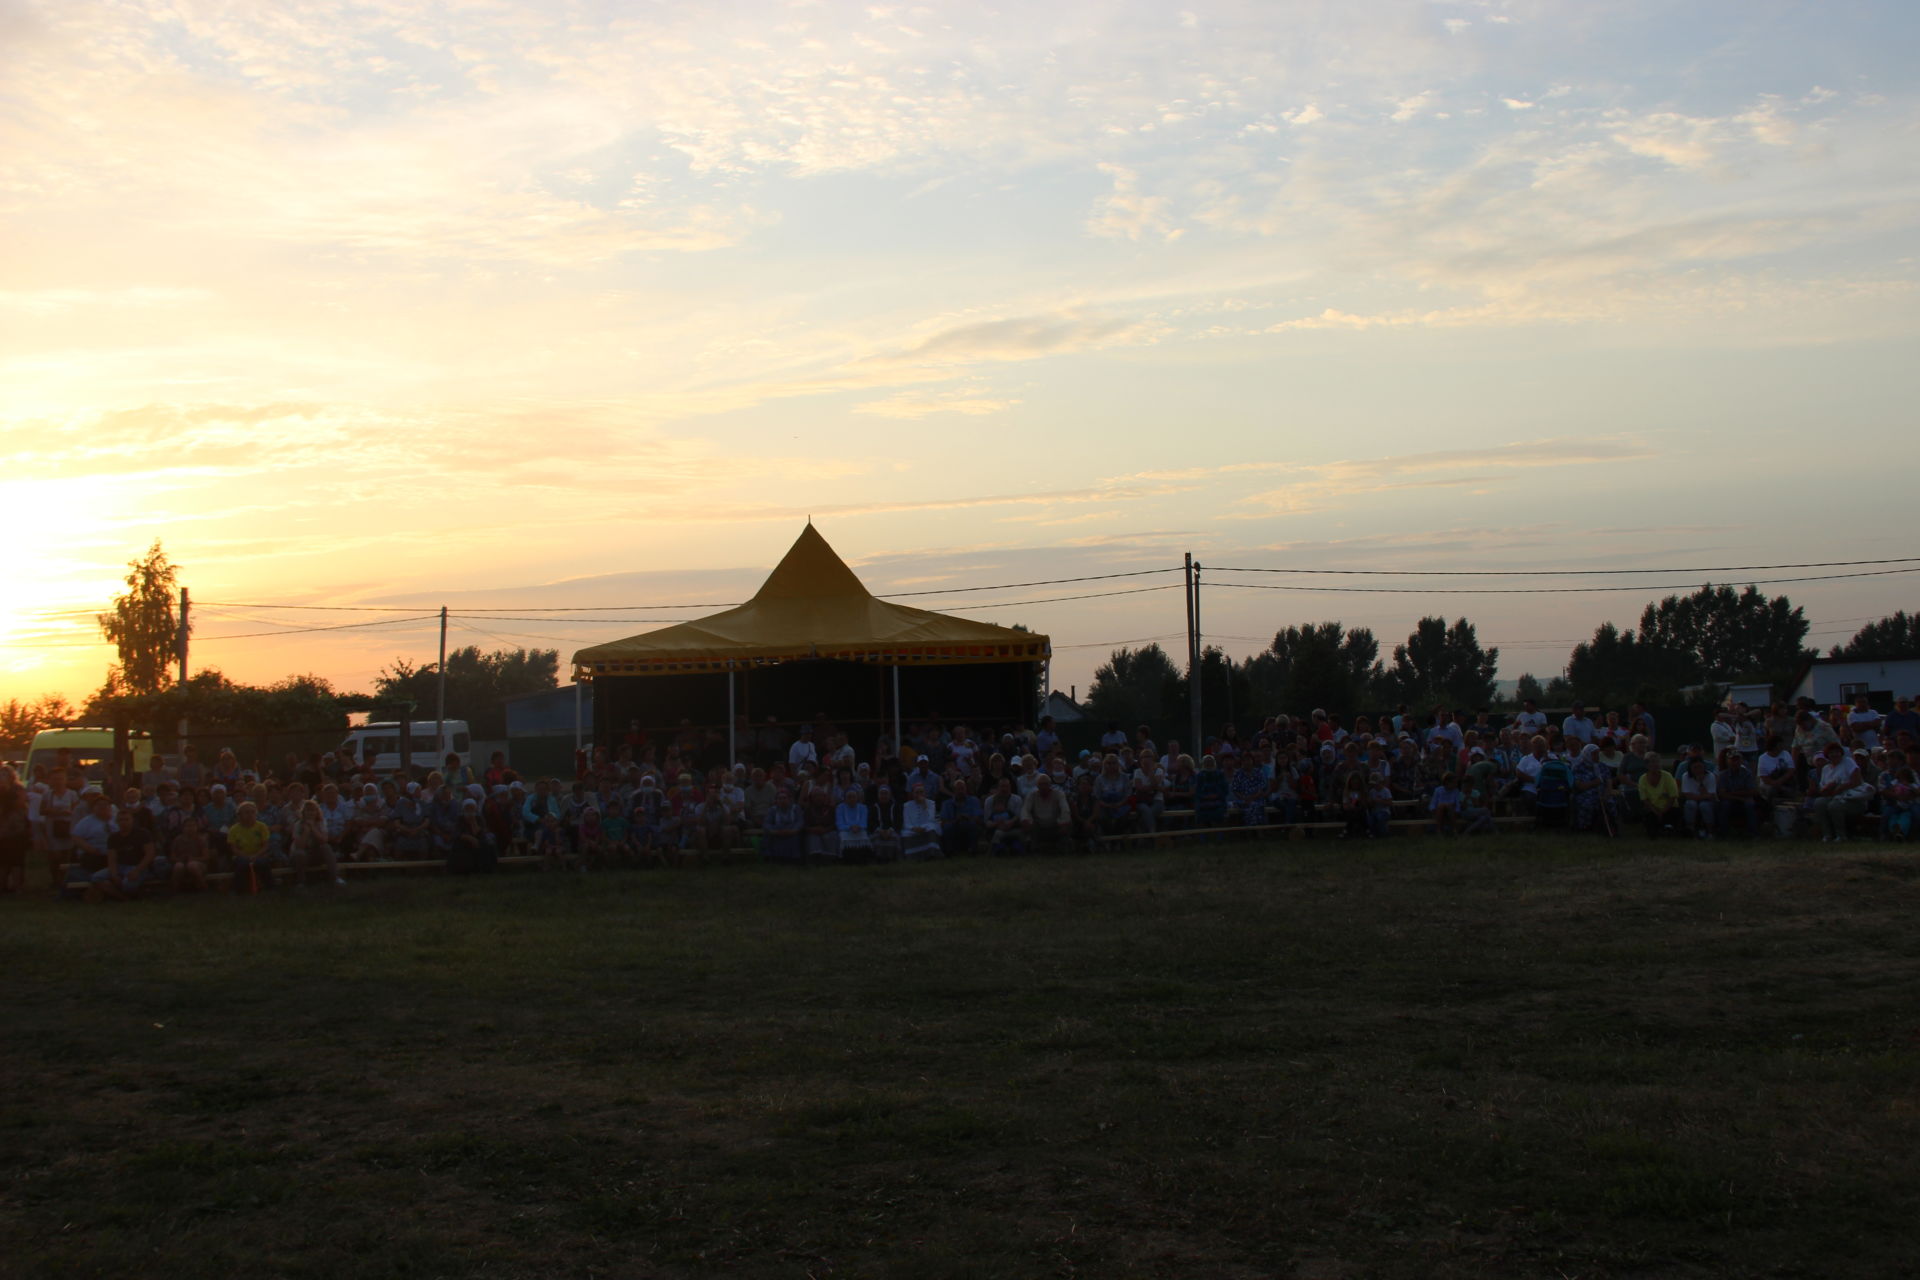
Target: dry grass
{"x": 1412, "y": 1059}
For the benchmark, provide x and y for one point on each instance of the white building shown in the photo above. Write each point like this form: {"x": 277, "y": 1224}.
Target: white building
{"x": 1834, "y": 680}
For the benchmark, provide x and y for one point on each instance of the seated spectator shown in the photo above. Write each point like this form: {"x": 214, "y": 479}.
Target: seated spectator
{"x": 783, "y": 834}
{"x": 1247, "y": 788}
{"x": 367, "y": 831}
{"x": 247, "y": 843}
{"x": 1838, "y": 794}
{"x": 1212, "y": 793}
{"x": 189, "y": 857}
{"x": 852, "y": 825}
{"x": 1699, "y": 799}
{"x": 1046, "y": 817}
{"x": 1380, "y": 805}
{"x": 1779, "y": 785}
{"x": 1444, "y": 806}
{"x": 884, "y": 825}
{"x": 1739, "y": 793}
{"x": 1659, "y": 799}
{"x": 311, "y": 847}
{"x": 963, "y": 821}
{"x": 920, "y": 827}
{"x": 819, "y": 800}
{"x": 1593, "y": 806}
{"x": 473, "y": 849}
{"x": 1003, "y": 810}
{"x": 1899, "y": 793}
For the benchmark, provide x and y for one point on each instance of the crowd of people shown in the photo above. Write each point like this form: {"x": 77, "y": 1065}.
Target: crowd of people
{"x": 807, "y": 795}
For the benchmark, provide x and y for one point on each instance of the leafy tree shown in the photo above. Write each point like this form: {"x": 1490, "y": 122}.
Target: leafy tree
{"x": 1442, "y": 664}
{"x": 1225, "y": 691}
{"x": 1137, "y": 685}
{"x": 19, "y": 721}
{"x": 143, "y": 626}
{"x": 1726, "y": 636}
{"x": 1320, "y": 664}
{"x": 1617, "y": 667}
{"x": 1896, "y": 636}
{"x": 476, "y": 682}
{"x": 1527, "y": 689}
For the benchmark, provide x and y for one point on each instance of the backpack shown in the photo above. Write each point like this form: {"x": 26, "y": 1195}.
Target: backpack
{"x": 1554, "y": 789}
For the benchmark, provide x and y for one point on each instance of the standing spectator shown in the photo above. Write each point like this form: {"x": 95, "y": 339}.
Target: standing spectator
{"x": 1864, "y": 721}
{"x": 16, "y": 833}
{"x": 803, "y": 752}
{"x": 1577, "y": 727}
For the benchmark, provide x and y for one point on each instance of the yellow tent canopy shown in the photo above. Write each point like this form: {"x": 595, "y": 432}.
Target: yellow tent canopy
{"x": 811, "y": 606}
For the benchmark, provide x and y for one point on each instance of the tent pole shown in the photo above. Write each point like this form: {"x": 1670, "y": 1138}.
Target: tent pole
{"x": 576, "y": 712}
{"x": 733, "y": 751}
{"x": 897, "y": 745}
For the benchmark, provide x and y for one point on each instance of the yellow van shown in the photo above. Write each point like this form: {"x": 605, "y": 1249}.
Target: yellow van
{"x": 90, "y": 751}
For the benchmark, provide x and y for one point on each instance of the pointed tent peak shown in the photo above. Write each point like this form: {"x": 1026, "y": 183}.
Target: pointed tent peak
{"x": 810, "y": 570}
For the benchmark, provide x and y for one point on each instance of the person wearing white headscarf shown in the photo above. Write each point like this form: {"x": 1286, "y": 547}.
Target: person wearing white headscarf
{"x": 1593, "y": 799}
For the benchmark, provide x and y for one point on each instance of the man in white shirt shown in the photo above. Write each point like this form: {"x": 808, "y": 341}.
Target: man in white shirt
{"x": 803, "y": 751}
{"x": 1577, "y": 727}
{"x": 1530, "y": 720}
{"x": 1839, "y": 793}
{"x": 1865, "y": 722}
{"x": 1723, "y": 733}
{"x": 919, "y": 827}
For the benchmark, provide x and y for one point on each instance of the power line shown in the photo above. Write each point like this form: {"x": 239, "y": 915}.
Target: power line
{"x": 1092, "y": 595}
{"x": 1533, "y": 591}
{"x": 1571, "y": 573}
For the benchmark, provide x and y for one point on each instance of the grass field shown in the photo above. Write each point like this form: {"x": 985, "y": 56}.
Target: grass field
{"x": 1409, "y": 1059}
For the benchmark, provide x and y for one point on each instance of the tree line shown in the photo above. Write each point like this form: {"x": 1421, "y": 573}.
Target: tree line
{"x": 142, "y": 687}
{"x": 1690, "y": 646}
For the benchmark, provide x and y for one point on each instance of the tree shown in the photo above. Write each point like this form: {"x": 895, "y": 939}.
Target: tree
{"x": 143, "y": 626}
{"x": 1616, "y": 667}
{"x": 1896, "y": 636}
{"x": 1320, "y": 664}
{"x": 1225, "y": 691}
{"x": 1728, "y": 637}
{"x": 1527, "y": 689}
{"x": 1137, "y": 685}
{"x": 19, "y": 721}
{"x": 1442, "y": 664}
{"x": 476, "y": 682}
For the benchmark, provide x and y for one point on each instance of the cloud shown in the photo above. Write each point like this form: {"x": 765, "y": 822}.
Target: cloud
{"x": 1304, "y": 115}
{"x": 1319, "y": 486}
{"x": 1023, "y": 338}
{"x": 1126, "y": 214}
{"x": 1407, "y": 108}
{"x": 911, "y": 406}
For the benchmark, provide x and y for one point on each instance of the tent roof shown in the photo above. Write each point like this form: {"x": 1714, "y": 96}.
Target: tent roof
{"x": 811, "y": 606}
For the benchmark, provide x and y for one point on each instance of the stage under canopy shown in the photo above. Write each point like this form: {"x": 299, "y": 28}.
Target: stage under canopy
{"x": 814, "y": 642}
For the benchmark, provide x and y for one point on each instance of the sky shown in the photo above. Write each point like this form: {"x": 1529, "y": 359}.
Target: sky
{"x": 505, "y": 305}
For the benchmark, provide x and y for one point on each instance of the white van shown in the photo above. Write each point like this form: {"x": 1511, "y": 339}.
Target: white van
{"x": 378, "y": 743}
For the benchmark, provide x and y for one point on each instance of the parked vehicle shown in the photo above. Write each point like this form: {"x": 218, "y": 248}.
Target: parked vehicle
{"x": 90, "y": 750}
{"x": 378, "y": 743}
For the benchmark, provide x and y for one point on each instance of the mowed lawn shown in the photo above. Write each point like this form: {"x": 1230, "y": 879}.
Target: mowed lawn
{"x": 1410, "y": 1059}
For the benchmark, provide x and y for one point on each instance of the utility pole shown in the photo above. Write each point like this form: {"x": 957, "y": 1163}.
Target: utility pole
{"x": 440, "y": 712}
{"x": 186, "y": 603}
{"x": 1199, "y": 655}
{"x": 1193, "y": 657}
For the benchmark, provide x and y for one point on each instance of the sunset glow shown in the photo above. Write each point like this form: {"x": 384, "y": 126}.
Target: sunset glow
{"x": 543, "y": 304}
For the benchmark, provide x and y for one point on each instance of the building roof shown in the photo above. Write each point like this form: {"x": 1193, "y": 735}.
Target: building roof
{"x": 811, "y": 606}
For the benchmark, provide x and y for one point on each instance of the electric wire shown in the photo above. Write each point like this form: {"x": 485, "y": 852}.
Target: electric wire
{"x": 1540, "y": 591}
{"x": 1573, "y": 573}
